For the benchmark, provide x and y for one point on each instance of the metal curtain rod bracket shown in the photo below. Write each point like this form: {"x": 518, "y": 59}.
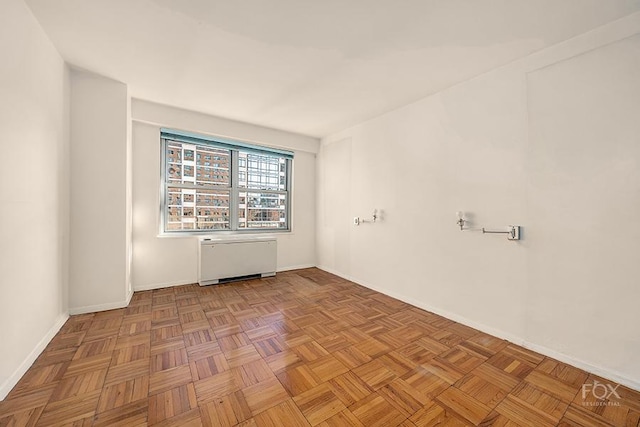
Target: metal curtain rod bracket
{"x": 513, "y": 232}
{"x": 357, "y": 220}
{"x": 485, "y": 231}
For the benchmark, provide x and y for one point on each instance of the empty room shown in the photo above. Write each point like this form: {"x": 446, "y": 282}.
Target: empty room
{"x": 320, "y": 213}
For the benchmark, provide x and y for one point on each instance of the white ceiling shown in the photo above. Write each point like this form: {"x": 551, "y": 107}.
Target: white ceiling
{"x": 312, "y": 67}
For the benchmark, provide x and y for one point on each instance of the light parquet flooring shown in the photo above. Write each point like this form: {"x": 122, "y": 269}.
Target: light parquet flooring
{"x": 304, "y": 348}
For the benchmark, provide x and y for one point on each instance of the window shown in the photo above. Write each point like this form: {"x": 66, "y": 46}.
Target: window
{"x": 216, "y": 185}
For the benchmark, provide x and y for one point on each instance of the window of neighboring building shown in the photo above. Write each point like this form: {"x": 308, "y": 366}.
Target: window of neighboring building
{"x": 215, "y": 185}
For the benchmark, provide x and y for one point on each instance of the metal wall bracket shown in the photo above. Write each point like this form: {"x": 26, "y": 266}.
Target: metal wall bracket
{"x": 512, "y": 234}
{"x": 515, "y": 232}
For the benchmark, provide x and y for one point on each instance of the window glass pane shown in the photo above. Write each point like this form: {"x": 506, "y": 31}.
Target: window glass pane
{"x": 174, "y": 152}
{"x": 197, "y": 164}
{"x": 201, "y": 209}
{"x": 262, "y": 210}
{"x": 198, "y": 188}
{"x": 212, "y": 209}
{"x": 262, "y": 172}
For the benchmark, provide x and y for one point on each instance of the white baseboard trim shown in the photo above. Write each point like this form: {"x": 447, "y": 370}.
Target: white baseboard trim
{"x": 578, "y": 363}
{"x": 102, "y": 307}
{"x": 609, "y": 374}
{"x": 152, "y": 286}
{"x": 295, "y": 267}
{"x": 11, "y": 382}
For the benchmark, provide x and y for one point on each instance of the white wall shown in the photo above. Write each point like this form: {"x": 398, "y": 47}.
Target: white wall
{"x": 550, "y": 143}
{"x": 167, "y": 261}
{"x": 34, "y": 197}
{"x": 100, "y": 196}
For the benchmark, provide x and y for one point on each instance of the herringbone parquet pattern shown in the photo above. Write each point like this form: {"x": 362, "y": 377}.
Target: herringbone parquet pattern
{"x": 303, "y": 348}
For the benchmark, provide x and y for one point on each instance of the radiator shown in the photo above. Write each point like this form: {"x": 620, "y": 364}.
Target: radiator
{"x": 232, "y": 259}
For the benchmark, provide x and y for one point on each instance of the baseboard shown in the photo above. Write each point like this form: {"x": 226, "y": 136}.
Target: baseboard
{"x": 609, "y": 374}
{"x": 295, "y": 267}
{"x": 129, "y": 296}
{"x": 11, "y": 382}
{"x": 102, "y": 307}
{"x": 578, "y": 363}
{"x": 152, "y": 286}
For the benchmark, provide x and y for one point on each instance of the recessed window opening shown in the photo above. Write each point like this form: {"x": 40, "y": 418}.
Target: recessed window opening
{"x": 211, "y": 185}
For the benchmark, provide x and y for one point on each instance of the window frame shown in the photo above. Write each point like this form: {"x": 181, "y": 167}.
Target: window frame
{"x": 234, "y": 147}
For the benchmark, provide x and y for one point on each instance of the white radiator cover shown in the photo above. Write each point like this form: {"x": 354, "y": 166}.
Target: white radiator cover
{"x": 226, "y": 259}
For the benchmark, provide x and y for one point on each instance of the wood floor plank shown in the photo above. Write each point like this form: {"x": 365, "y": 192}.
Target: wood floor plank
{"x": 240, "y": 356}
{"x": 319, "y": 404}
{"x": 79, "y": 385}
{"x": 425, "y": 382}
{"x": 434, "y": 414}
{"x": 120, "y": 373}
{"x": 28, "y": 399}
{"x": 133, "y": 414}
{"x": 310, "y": 351}
{"x": 578, "y": 416}
{"x": 342, "y": 419}
{"x": 349, "y": 388}
{"x": 169, "y": 359}
{"x": 38, "y": 376}
{"x": 98, "y": 346}
{"x": 190, "y": 418}
{"x": 88, "y": 364}
{"x": 74, "y": 408}
{"x": 49, "y": 357}
{"x": 226, "y": 411}
{"x": 264, "y": 395}
{"x": 24, "y": 418}
{"x": 124, "y": 393}
{"x": 376, "y": 411}
{"x": 66, "y": 340}
{"x": 216, "y": 386}
{"x": 303, "y": 348}
{"x": 206, "y": 367}
{"x": 283, "y": 414}
{"x": 168, "y": 379}
{"x": 524, "y": 413}
{"x": 375, "y": 374}
{"x": 297, "y": 380}
{"x": 397, "y": 363}
{"x": 269, "y": 346}
{"x": 130, "y": 352}
{"x": 171, "y": 403}
{"x": 464, "y": 405}
{"x": 563, "y": 372}
{"x": 541, "y": 400}
{"x": 327, "y": 367}
{"x": 403, "y": 396}
{"x": 253, "y": 373}
{"x": 283, "y": 360}
{"x": 333, "y": 342}
{"x": 481, "y": 390}
{"x": 553, "y": 385}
